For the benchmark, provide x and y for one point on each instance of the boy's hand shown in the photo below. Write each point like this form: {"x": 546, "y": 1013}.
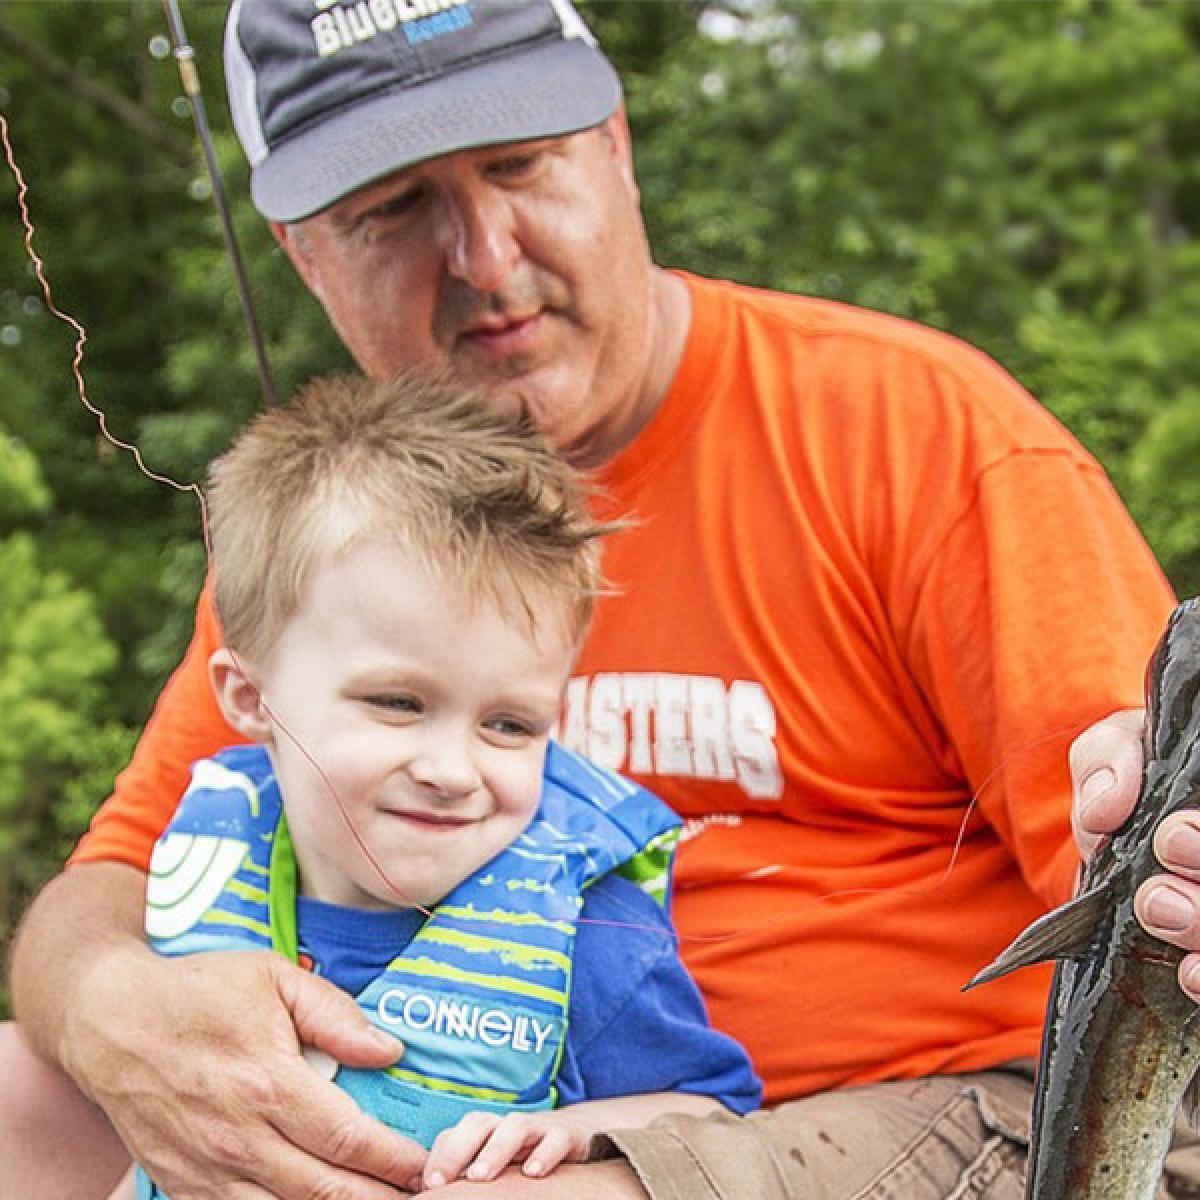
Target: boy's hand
{"x": 482, "y": 1144}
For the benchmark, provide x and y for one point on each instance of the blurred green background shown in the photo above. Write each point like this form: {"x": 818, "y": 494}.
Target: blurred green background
{"x": 1023, "y": 174}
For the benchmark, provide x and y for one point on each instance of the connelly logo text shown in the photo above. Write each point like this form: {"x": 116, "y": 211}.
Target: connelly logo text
{"x": 460, "y": 1019}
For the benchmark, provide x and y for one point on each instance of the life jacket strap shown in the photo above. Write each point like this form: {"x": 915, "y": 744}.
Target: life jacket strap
{"x": 419, "y": 1112}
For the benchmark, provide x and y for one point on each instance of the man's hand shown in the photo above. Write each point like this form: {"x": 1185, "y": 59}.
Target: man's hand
{"x": 1106, "y": 768}
{"x": 204, "y": 1080}
{"x": 1106, "y": 774}
{"x": 197, "y": 1060}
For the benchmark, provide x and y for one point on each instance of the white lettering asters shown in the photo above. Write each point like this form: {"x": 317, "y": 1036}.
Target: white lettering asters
{"x": 691, "y": 726}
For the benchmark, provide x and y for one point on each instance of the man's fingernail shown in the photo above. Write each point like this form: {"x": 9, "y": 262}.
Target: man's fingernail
{"x": 1168, "y": 910}
{"x": 1190, "y": 976}
{"x": 1097, "y": 784}
{"x": 1181, "y": 846}
{"x": 385, "y": 1041}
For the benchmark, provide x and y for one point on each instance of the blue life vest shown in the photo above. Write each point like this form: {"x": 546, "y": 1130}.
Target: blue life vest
{"x": 480, "y": 996}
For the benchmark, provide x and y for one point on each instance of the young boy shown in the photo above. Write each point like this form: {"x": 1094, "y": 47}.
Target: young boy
{"x": 403, "y": 578}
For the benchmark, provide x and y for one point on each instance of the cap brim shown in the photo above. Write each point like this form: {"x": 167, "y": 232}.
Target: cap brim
{"x": 545, "y": 91}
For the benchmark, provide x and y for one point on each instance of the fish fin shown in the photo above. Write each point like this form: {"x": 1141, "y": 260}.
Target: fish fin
{"x": 1064, "y": 933}
{"x": 1189, "y": 1106}
{"x": 1189, "y": 1103}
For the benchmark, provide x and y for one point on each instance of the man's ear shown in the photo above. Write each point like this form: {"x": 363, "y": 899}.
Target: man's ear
{"x": 238, "y": 696}
{"x": 617, "y": 129}
{"x": 291, "y": 238}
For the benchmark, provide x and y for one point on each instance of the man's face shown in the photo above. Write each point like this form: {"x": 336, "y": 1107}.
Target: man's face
{"x": 521, "y": 268}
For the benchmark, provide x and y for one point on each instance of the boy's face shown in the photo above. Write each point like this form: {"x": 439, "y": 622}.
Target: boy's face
{"x": 424, "y": 714}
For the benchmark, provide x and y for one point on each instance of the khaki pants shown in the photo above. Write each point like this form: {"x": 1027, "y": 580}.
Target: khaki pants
{"x": 949, "y": 1137}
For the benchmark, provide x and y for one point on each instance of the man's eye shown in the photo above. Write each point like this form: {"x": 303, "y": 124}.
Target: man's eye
{"x": 392, "y": 208}
{"x": 514, "y": 166}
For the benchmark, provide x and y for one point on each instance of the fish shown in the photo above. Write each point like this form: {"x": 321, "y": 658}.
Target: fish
{"x": 1121, "y": 1042}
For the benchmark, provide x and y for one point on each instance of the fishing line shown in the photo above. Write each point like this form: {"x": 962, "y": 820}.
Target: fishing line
{"x": 79, "y": 331}
{"x": 992, "y": 777}
{"x": 80, "y": 334}
{"x": 184, "y": 56}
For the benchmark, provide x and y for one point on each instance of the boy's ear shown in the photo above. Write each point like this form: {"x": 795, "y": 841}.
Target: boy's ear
{"x": 238, "y": 696}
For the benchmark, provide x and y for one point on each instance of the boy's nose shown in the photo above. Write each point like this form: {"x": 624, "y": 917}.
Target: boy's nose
{"x": 446, "y": 770}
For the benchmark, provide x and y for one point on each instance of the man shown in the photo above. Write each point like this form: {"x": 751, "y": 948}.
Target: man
{"x": 835, "y": 626}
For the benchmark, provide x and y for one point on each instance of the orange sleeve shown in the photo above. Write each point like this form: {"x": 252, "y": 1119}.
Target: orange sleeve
{"x": 186, "y": 725}
{"x": 1014, "y": 674}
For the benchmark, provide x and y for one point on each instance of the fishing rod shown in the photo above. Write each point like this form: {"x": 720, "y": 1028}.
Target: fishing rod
{"x": 185, "y": 56}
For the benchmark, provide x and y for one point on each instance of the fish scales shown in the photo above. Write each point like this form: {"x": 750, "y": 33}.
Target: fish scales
{"x": 1122, "y": 1042}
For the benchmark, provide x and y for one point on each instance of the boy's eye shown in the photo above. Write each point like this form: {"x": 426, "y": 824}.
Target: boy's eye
{"x": 512, "y": 727}
{"x": 397, "y": 703}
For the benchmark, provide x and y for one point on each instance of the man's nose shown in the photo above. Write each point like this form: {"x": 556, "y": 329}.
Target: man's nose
{"x": 477, "y": 236}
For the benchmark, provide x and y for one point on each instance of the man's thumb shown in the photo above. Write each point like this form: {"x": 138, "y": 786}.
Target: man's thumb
{"x": 330, "y": 1019}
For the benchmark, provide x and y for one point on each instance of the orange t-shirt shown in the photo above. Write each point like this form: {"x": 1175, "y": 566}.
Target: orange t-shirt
{"x": 901, "y": 585}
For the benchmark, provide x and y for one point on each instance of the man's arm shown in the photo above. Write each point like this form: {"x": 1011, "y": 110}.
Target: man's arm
{"x": 611, "y": 1180}
{"x": 197, "y": 1060}
{"x": 1106, "y": 768}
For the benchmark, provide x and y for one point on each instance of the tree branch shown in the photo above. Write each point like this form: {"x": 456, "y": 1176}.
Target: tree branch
{"x": 101, "y": 95}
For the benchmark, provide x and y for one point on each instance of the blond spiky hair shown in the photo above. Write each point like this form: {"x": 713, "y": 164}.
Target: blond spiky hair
{"x": 480, "y": 497}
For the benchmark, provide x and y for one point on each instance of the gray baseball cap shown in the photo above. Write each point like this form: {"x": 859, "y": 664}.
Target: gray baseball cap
{"x": 330, "y": 95}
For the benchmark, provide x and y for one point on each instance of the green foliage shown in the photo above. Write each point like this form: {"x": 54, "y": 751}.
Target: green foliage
{"x": 1023, "y": 175}
{"x": 1026, "y": 175}
{"x": 54, "y": 656}
{"x": 22, "y": 492}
